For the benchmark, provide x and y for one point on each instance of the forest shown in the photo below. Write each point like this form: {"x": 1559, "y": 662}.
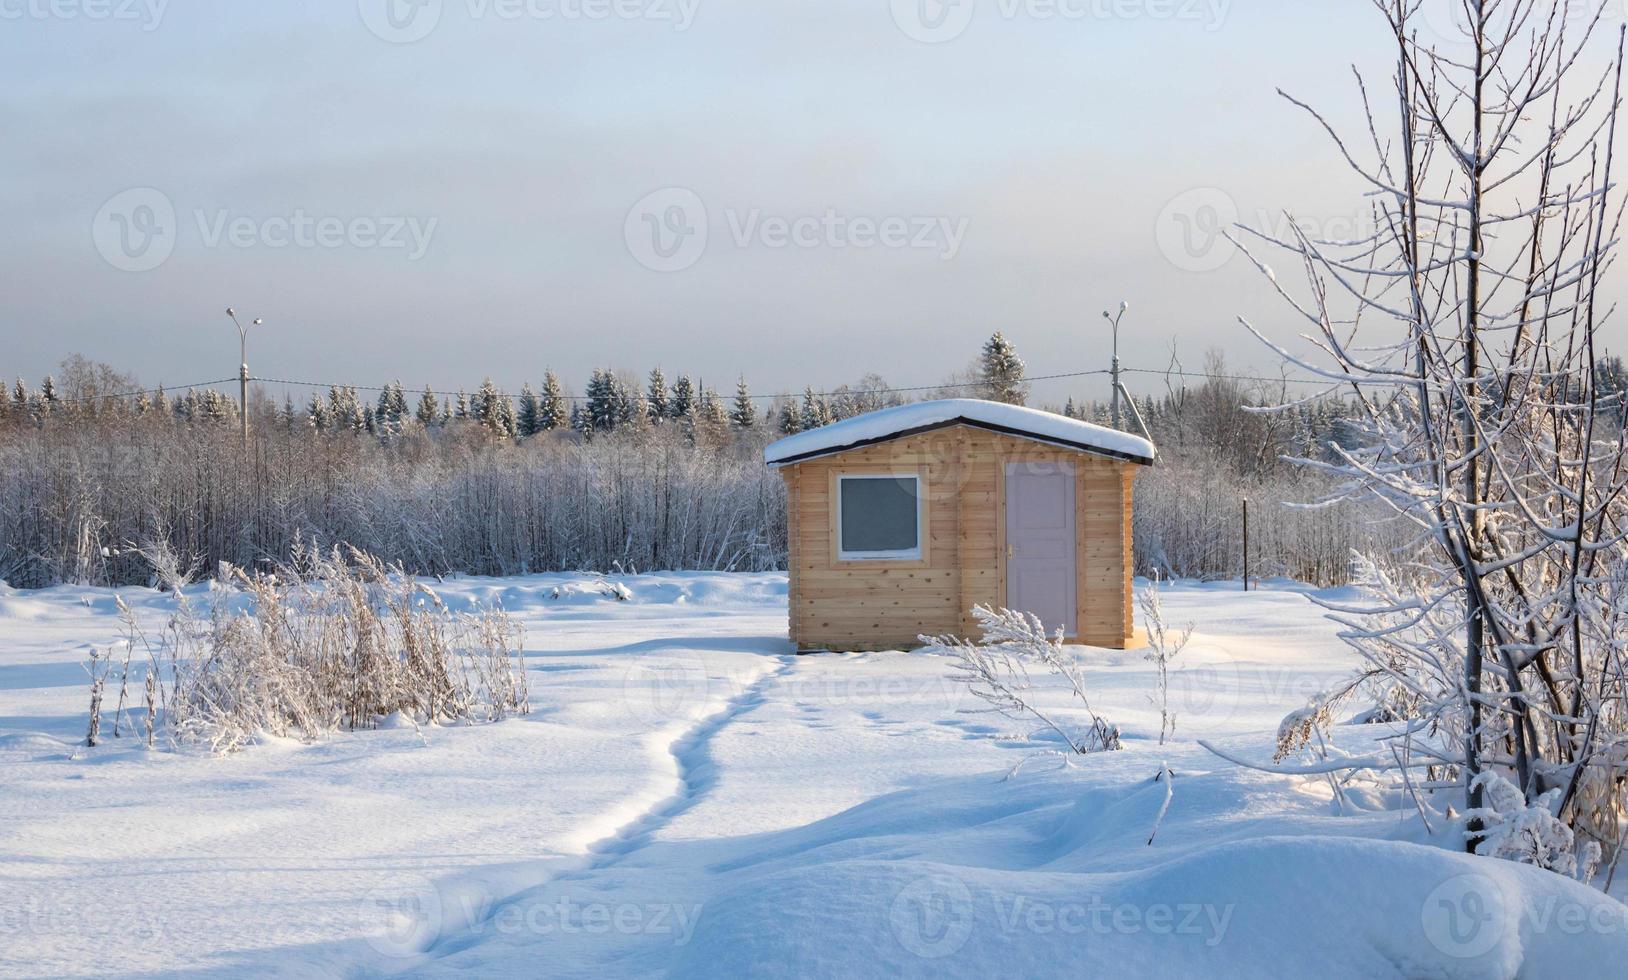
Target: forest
{"x": 636, "y": 473}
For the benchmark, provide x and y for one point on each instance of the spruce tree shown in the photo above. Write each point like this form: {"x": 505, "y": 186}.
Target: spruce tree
{"x": 682, "y": 404}
{"x": 555, "y": 414}
{"x": 487, "y": 409}
{"x": 600, "y": 408}
{"x": 1000, "y": 369}
{"x": 428, "y": 409}
{"x": 711, "y": 417}
{"x": 655, "y": 398}
{"x": 791, "y": 420}
{"x": 815, "y": 412}
{"x": 316, "y": 413}
{"x": 530, "y": 412}
{"x": 507, "y": 425}
{"x": 744, "y": 415}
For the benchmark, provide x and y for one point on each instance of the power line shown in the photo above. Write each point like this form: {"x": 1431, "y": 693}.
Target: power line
{"x": 945, "y": 386}
{"x": 1237, "y": 377}
{"x": 583, "y": 398}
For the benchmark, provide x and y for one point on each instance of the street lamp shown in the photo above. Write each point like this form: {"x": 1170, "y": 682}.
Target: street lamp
{"x": 1113, "y": 319}
{"x": 243, "y": 370}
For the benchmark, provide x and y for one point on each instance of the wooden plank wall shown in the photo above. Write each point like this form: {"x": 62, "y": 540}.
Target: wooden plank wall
{"x": 886, "y": 604}
{"x": 875, "y": 604}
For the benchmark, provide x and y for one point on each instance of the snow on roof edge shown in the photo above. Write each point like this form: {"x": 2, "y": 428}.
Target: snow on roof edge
{"x": 890, "y": 422}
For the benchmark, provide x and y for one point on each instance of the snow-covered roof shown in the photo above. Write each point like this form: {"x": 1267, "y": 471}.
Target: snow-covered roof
{"x": 904, "y": 420}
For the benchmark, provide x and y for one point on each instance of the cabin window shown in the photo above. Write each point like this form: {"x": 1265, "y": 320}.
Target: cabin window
{"x": 879, "y": 517}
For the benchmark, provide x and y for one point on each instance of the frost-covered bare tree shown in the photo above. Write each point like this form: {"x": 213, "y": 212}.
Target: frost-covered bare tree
{"x": 1466, "y": 326}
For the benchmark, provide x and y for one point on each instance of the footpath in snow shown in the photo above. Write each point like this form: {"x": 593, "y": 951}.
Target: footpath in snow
{"x": 687, "y": 798}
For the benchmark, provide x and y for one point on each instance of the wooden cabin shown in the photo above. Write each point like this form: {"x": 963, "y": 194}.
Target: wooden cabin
{"x": 901, "y": 520}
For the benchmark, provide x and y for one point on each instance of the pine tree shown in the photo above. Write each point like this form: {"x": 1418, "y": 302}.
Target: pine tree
{"x": 351, "y": 415}
{"x": 682, "y": 404}
{"x": 1069, "y": 410}
{"x": 606, "y": 408}
{"x": 391, "y": 411}
{"x": 19, "y": 399}
{"x": 461, "y": 407}
{"x": 744, "y": 415}
{"x": 316, "y": 413}
{"x": 655, "y": 398}
{"x": 710, "y": 415}
{"x": 815, "y": 411}
{"x": 530, "y": 412}
{"x": 554, "y": 414}
{"x": 508, "y": 426}
{"x": 626, "y": 400}
{"x": 1000, "y": 369}
{"x": 50, "y": 401}
{"x": 429, "y": 410}
{"x": 486, "y": 408}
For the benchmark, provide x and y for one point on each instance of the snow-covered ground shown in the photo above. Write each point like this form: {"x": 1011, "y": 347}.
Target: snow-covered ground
{"x": 687, "y": 798}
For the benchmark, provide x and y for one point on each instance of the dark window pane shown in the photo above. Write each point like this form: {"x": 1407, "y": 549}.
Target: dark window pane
{"x": 878, "y": 513}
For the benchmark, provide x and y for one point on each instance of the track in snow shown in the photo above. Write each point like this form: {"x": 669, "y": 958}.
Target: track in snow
{"x": 692, "y": 758}
{"x": 692, "y": 752}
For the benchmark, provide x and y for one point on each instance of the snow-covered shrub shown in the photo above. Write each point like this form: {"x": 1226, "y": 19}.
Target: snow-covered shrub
{"x": 996, "y": 671}
{"x": 1527, "y": 833}
{"x": 1164, "y": 645}
{"x": 333, "y": 640}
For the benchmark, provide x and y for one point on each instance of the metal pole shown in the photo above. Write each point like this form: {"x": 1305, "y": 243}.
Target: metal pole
{"x": 1246, "y": 544}
{"x": 242, "y": 373}
{"x": 1114, "y": 364}
{"x": 243, "y": 388}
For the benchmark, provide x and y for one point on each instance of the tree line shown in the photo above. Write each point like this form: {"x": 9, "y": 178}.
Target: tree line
{"x": 636, "y": 472}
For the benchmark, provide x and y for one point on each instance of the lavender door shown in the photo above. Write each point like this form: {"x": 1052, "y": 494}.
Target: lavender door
{"x": 1040, "y": 542}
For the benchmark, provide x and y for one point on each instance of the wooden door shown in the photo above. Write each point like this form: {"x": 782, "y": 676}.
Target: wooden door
{"x": 1040, "y": 565}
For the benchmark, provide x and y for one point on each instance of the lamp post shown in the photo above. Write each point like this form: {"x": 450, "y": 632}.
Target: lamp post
{"x": 243, "y": 371}
{"x": 1113, "y": 320}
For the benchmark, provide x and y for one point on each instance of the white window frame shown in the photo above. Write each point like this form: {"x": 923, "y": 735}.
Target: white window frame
{"x": 911, "y": 554}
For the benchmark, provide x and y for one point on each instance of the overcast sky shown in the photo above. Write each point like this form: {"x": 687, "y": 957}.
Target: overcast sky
{"x": 802, "y": 192}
